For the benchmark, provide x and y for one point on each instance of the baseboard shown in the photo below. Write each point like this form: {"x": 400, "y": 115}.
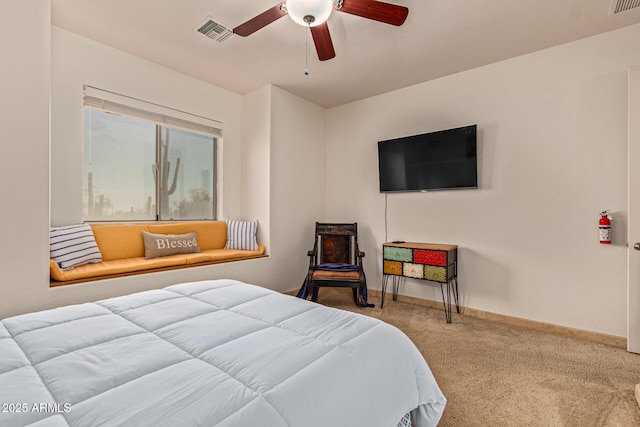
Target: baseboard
{"x": 566, "y": 331}
{"x": 598, "y": 337}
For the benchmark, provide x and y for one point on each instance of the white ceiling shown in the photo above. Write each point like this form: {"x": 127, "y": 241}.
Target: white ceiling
{"x": 439, "y": 37}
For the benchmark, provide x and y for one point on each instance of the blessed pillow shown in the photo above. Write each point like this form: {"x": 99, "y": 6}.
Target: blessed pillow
{"x": 157, "y": 245}
{"x": 73, "y": 245}
{"x": 242, "y": 235}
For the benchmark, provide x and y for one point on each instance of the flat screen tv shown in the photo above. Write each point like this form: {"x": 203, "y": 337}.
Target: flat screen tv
{"x": 443, "y": 160}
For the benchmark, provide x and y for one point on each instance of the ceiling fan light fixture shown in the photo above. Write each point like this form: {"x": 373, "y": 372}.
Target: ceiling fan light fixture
{"x": 309, "y": 13}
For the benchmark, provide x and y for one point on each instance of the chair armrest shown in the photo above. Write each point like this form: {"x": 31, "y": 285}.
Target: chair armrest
{"x": 358, "y": 252}
{"x": 313, "y": 255}
{"x": 313, "y": 252}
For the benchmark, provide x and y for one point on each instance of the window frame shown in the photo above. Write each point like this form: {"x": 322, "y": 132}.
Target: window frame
{"x": 163, "y": 118}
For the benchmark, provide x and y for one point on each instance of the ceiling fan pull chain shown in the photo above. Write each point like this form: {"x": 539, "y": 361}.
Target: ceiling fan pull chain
{"x": 306, "y": 59}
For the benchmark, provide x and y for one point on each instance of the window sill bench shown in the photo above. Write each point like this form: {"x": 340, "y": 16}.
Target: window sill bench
{"x": 123, "y": 251}
{"x": 94, "y": 272}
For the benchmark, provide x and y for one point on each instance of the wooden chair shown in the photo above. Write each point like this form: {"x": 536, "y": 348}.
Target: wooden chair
{"x": 336, "y": 260}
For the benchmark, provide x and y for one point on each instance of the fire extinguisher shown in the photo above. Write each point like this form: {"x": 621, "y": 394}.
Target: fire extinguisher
{"x": 605, "y": 227}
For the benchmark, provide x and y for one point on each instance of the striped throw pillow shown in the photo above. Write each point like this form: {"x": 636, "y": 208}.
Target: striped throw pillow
{"x": 242, "y": 235}
{"x": 73, "y": 245}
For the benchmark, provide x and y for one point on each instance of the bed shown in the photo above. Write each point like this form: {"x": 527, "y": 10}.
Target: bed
{"x": 218, "y": 352}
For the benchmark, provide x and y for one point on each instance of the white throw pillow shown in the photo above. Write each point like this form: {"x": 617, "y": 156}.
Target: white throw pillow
{"x": 242, "y": 235}
{"x": 73, "y": 245}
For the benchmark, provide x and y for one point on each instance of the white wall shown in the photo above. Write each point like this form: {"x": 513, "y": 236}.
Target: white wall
{"x": 284, "y": 169}
{"x": 552, "y": 155}
{"x": 24, "y": 175}
{"x": 256, "y": 131}
{"x": 298, "y": 168}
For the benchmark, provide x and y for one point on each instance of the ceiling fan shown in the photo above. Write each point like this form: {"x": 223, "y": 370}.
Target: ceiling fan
{"x": 314, "y": 14}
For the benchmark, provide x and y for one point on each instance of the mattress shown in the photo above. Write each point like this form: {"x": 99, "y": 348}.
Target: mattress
{"x": 218, "y": 352}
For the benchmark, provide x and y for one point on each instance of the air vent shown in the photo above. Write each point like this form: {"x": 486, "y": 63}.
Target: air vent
{"x": 214, "y": 30}
{"x": 620, "y": 6}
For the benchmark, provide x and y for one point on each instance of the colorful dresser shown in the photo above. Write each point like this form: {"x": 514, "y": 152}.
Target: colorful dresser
{"x": 426, "y": 261}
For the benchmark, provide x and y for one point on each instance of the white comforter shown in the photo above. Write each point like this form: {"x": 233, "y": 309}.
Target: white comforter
{"x": 217, "y": 352}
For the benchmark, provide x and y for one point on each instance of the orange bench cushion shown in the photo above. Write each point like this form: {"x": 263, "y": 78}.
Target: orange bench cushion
{"x": 132, "y": 265}
{"x": 122, "y": 249}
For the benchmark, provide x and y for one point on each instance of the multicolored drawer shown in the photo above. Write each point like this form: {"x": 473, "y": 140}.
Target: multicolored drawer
{"x": 433, "y": 262}
{"x": 425, "y": 261}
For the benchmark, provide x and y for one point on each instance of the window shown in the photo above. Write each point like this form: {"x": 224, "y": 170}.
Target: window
{"x": 139, "y": 168}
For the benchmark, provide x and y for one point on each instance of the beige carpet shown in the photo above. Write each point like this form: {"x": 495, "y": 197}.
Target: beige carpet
{"x": 495, "y": 374}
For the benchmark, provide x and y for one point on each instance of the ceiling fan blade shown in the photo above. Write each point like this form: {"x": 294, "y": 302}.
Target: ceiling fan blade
{"x": 376, "y": 10}
{"x": 322, "y": 40}
{"x": 260, "y": 21}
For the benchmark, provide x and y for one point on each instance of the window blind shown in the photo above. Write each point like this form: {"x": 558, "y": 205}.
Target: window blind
{"x": 111, "y": 102}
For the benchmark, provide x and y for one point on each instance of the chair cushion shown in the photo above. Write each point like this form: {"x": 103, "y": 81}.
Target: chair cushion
{"x": 336, "y": 266}
{"x": 336, "y": 275}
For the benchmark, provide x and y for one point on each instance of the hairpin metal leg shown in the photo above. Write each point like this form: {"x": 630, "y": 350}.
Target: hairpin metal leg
{"x": 385, "y": 280}
{"x": 455, "y": 293}
{"x": 395, "y": 284}
{"x": 446, "y": 301}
